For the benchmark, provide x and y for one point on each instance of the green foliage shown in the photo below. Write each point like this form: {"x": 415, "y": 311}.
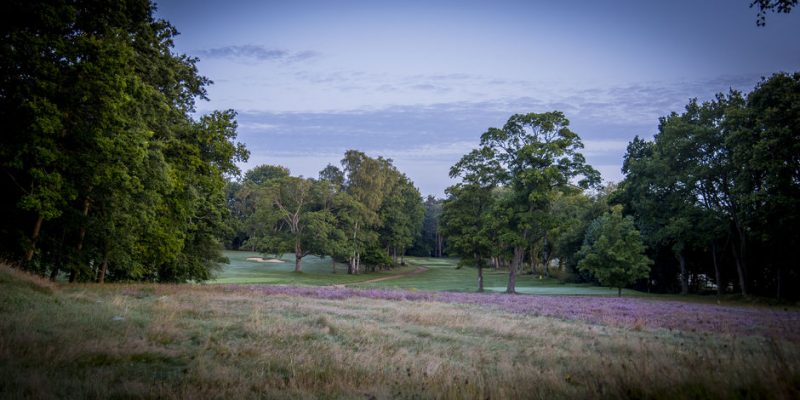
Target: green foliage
{"x": 430, "y": 241}
{"x": 368, "y": 208}
{"x": 722, "y": 177}
{"x": 107, "y": 172}
{"x": 613, "y": 251}
{"x": 532, "y": 159}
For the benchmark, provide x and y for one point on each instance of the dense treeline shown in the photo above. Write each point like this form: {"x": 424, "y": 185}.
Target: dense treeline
{"x": 716, "y": 193}
{"x": 366, "y": 214}
{"x": 105, "y": 174}
{"x": 711, "y": 203}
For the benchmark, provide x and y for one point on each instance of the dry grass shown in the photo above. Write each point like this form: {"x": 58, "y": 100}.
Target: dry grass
{"x": 140, "y": 341}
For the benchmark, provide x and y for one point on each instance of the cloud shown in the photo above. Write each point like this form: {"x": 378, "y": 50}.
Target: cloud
{"x": 426, "y": 139}
{"x": 257, "y": 126}
{"x": 452, "y": 150}
{"x": 599, "y": 147}
{"x": 256, "y": 52}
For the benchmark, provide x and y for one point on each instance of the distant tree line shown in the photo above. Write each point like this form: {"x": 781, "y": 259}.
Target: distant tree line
{"x": 431, "y": 241}
{"x": 366, "y": 214}
{"x": 105, "y": 173}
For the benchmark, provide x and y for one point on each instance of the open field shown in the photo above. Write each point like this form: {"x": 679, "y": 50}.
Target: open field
{"x": 441, "y": 275}
{"x": 316, "y": 271}
{"x": 260, "y": 341}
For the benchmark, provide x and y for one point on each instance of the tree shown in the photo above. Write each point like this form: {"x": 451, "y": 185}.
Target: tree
{"x": 368, "y": 181}
{"x": 465, "y": 222}
{"x": 263, "y": 174}
{"x": 430, "y": 242}
{"x": 573, "y": 214}
{"x": 613, "y": 251}
{"x": 534, "y": 156}
{"x": 777, "y": 6}
{"x": 401, "y": 217}
{"x": 660, "y": 196}
{"x": 297, "y": 216}
{"x": 101, "y": 158}
{"x": 244, "y": 224}
{"x": 767, "y": 150}
{"x": 724, "y": 175}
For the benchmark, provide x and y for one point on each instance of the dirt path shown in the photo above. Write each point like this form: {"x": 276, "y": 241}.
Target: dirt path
{"x": 419, "y": 270}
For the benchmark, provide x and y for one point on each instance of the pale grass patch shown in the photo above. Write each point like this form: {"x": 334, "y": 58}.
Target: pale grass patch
{"x": 37, "y": 282}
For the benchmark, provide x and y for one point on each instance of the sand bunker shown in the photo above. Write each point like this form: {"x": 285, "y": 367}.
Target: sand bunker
{"x": 264, "y": 260}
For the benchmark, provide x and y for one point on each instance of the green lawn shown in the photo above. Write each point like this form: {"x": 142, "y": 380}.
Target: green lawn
{"x": 442, "y": 275}
{"x": 316, "y": 271}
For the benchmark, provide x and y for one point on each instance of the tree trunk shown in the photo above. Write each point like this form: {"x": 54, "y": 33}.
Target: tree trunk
{"x": 519, "y": 255}
{"x": 103, "y": 269}
{"x": 717, "y": 273}
{"x": 619, "y": 292}
{"x": 439, "y": 240}
{"x": 333, "y": 264}
{"x": 54, "y": 273}
{"x": 75, "y": 266}
{"x": 547, "y": 256}
{"x": 352, "y": 267}
{"x": 533, "y": 261}
{"x": 37, "y": 227}
{"x": 738, "y": 257}
{"x": 684, "y": 274}
{"x": 298, "y": 256}
{"x": 82, "y": 231}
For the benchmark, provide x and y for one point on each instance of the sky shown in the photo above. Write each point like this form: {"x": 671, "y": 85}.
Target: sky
{"x": 420, "y": 81}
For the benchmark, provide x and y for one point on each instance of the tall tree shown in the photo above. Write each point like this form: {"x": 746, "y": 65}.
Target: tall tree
{"x": 100, "y": 138}
{"x": 534, "y": 155}
{"x": 466, "y": 224}
{"x": 297, "y": 215}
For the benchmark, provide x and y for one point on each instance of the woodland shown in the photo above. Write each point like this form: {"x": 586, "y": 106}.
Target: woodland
{"x": 108, "y": 174}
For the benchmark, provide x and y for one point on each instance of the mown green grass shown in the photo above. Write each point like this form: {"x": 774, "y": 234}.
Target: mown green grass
{"x": 61, "y": 341}
{"x": 442, "y": 275}
{"x": 315, "y": 271}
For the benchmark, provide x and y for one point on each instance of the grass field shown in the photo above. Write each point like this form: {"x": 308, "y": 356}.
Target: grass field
{"x": 441, "y": 275}
{"x": 316, "y": 271}
{"x": 266, "y": 341}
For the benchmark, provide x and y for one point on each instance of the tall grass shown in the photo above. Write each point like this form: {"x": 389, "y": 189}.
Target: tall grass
{"x": 144, "y": 341}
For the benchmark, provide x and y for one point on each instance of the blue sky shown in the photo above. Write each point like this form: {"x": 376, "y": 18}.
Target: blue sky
{"x": 419, "y": 81}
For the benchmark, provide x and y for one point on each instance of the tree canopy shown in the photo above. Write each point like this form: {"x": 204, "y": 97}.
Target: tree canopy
{"x": 107, "y": 172}
{"x": 613, "y": 251}
{"x": 532, "y": 158}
